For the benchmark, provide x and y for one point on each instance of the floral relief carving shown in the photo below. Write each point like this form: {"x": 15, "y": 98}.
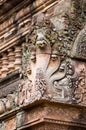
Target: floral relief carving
{"x": 80, "y": 90}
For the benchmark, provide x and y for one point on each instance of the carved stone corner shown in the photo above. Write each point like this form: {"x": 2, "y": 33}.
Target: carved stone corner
{"x": 46, "y": 69}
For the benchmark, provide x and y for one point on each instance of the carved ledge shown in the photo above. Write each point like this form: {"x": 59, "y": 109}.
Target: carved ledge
{"x": 52, "y": 115}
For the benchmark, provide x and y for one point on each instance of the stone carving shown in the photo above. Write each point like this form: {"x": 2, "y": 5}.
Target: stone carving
{"x": 79, "y": 48}
{"x": 25, "y": 92}
{"x": 40, "y": 84}
{"x": 67, "y": 84}
{"x": 73, "y": 23}
{"x": 80, "y": 89}
{"x": 45, "y": 68}
{"x": 82, "y": 48}
{"x": 8, "y": 103}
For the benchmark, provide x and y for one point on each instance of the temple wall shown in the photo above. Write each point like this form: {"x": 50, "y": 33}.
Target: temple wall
{"x": 43, "y": 65}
